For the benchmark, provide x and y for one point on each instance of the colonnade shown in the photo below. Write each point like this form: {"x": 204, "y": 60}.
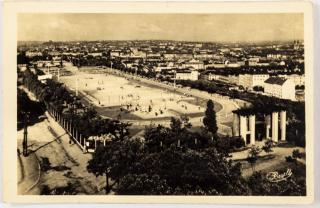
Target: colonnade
{"x": 244, "y": 125}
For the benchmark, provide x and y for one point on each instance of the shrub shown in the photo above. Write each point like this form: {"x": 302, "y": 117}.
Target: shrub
{"x": 296, "y": 154}
{"x": 290, "y": 159}
{"x": 228, "y": 144}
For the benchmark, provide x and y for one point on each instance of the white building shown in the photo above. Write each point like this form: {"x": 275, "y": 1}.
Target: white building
{"x": 44, "y": 78}
{"x": 280, "y": 87}
{"x": 253, "y": 61}
{"x": 33, "y": 53}
{"x": 248, "y": 81}
{"x": 187, "y": 75}
{"x": 297, "y": 79}
{"x": 196, "y": 64}
{"x": 231, "y": 79}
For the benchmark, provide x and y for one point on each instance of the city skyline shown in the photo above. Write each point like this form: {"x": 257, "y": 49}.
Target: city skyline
{"x": 176, "y": 27}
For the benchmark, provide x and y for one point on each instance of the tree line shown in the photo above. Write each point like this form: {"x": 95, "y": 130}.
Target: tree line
{"x": 84, "y": 118}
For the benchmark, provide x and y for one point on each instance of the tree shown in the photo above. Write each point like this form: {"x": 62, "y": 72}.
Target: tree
{"x": 143, "y": 184}
{"x": 209, "y": 119}
{"x": 258, "y": 88}
{"x": 183, "y": 172}
{"x": 101, "y": 163}
{"x": 124, "y": 154}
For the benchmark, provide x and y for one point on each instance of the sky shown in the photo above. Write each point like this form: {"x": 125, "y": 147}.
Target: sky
{"x": 183, "y": 27}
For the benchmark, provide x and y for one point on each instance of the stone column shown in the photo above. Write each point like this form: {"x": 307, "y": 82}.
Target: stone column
{"x": 252, "y": 126}
{"x": 243, "y": 128}
{"x": 235, "y": 125}
{"x": 268, "y": 125}
{"x": 283, "y": 126}
{"x": 275, "y": 126}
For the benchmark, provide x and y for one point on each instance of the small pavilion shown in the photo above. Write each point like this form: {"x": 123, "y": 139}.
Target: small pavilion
{"x": 272, "y": 124}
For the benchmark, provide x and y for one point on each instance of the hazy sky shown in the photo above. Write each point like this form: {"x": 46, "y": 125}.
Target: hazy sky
{"x": 189, "y": 27}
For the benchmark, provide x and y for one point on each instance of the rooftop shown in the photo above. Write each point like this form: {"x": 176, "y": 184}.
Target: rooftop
{"x": 276, "y": 80}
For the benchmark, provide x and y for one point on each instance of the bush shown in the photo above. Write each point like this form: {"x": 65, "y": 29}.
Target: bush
{"x": 236, "y": 142}
{"x": 228, "y": 144}
{"x": 296, "y": 154}
{"x": 291, "y": 159}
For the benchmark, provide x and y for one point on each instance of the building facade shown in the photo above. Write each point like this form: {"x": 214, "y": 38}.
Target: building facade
{"x": 187, "y": 75}
{"x": 280, "y": 88}
{"x": 248, "y": 81}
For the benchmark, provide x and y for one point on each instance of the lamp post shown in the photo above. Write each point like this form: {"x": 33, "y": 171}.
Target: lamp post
{"x": 25, "y": 136}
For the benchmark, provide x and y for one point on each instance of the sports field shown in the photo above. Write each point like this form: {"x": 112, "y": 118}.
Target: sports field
{"x": 116, "y": 96}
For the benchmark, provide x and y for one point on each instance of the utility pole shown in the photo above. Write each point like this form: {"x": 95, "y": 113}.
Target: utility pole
{"x": 25, "y": 136}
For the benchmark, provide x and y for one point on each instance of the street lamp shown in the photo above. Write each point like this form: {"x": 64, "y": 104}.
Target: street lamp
{"x": 25, "y": 135}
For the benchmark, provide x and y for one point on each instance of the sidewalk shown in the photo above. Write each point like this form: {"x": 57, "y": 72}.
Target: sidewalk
{"x": 66, "y": 164}
{"x": 29, "y": 174}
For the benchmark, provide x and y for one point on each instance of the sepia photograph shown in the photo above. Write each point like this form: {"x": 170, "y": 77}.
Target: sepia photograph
{"x": 162, "y": 104}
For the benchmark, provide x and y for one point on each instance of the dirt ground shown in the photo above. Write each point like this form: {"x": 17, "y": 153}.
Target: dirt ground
{"x": 63, "y": 165}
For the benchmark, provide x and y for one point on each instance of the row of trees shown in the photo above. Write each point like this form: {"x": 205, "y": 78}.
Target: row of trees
{"x": 83, "y": 118}
{"x": 273, "y": 69}
{"x": 27, "y": 110}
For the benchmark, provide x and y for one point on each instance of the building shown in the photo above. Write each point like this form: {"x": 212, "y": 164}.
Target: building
{"x": 244, "y": 125}
{"x": 33, "y": 53}
{"x": 187, "y": 75}
{"x": 248, "y": 81}
{"x": 231, "y": 79}
{"x": 44, "y": 78}
{"x": 198, "y": 65}
{"x": 280, "y": 87}
{"x": 298, "y": 80}
{"x": 253, "y": 61}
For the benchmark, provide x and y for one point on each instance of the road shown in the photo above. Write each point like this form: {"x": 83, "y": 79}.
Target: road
{"x": 65, "y": 162}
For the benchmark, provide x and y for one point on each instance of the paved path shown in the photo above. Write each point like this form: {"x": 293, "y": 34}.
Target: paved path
{"x": 47, "y": 139}
{"x": 28, "y": 171}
